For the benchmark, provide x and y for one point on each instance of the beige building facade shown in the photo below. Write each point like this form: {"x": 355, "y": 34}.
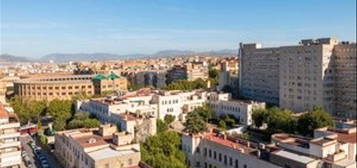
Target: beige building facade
{"x": 97, "y": 148}
{"x": 65, "y": 87}
{"x": 319, "y": 72}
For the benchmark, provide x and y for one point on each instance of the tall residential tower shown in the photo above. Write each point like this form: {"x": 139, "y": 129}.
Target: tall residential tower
{"x": 318, "y": 72}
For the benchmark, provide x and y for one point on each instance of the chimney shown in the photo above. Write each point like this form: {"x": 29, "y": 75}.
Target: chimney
{"x": 248, "y": 144}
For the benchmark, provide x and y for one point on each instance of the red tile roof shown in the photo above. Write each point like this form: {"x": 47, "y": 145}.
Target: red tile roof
{"x": 231, "y": 144}
{"x": 90, "y": 140}
{"x": 348, "y": 138}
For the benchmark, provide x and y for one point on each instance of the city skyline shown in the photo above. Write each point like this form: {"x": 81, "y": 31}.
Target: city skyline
{"x": 127, "y": 27}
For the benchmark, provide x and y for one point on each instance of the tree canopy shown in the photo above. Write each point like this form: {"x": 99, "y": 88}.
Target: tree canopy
{"x": 196, "y": 121}
{"x": 186, "y": 85}
{"x": 163, "y": 150}
{"x": 61, "y": 111}
{"x": 83, "y": 120}
{"x": 28, "y": 110}
{"x": 282, "y": 120}
{"x": 317, "y": 118}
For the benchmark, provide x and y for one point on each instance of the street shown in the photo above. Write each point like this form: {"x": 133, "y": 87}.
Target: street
{"x": 30, "y": 153}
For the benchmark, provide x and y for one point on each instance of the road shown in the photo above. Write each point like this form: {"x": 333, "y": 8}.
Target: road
{"x": 25, "y": 147}
{"x": 51, "y": 159}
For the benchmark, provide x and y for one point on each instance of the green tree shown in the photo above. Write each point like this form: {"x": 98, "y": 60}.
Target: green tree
{"x": 213, "y": 73}
{"x": 279, "y": 120}
{"x": 28, "y": 110}
{"x": 163, "y": 151}
{"x": 230, "y": 121}
{"x": 83, "y": 120}
{"x": 222, "y": 125}
{"x": 317, "y": 118}
{"x": 186, "y": 85}
{"x": 61, "y": 111}
{"x": 161, "y": 126}
{"x": 205, "y": 112}
{"x": 195, "y": 123}
{"x": 259, "y": 117}
{"x": 169, "y": 119}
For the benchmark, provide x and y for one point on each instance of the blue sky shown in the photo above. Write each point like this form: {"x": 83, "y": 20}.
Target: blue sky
{"x": 38, "y": 27}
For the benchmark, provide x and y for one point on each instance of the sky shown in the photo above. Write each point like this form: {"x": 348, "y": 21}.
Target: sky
{"x": 34, "y": 28}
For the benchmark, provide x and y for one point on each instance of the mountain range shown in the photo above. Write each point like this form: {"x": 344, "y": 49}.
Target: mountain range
{"x": 65, "y": 57}
{"x": 12, "y": 58}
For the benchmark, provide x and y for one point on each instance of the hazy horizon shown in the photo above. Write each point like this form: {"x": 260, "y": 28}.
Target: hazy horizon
{"x": 37, "y": 28}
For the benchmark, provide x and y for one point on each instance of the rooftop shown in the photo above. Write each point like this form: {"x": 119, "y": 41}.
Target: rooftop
{"x": 294, "y": 156}
{"x": 242, "y": 145}
{"x": 90, "y": 140}
{"x": 109, "y": 153}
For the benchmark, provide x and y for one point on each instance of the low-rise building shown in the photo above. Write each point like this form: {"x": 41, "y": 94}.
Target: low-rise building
{"x": 10, "y": 146}
{"x": 241, "y": 109}
{"x": 97, "y": 148}
{"x": 65, "y": 87}
{"x": 332, "y": 149}
{"x": 214, "y": 150}
{"x": 177, "y": 103}
{"x": 217, "y": 150}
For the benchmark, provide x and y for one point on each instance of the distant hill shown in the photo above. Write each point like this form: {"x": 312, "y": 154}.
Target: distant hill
{"x": 12, "y": 58}
{"x": 65, "y": 57}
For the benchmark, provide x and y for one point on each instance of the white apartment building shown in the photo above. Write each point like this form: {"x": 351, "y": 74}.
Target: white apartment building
{"x": 211, "y": 150}
{"x": 97, "y": 148}
{"x": 10, "y": 146}
{"x": 345, "y": 87}
{"x": 315, "y": 73}
{"x": 331, "y": 148}
{"x": 176, "y": 103}
{"x": 141, "y": 123}
{"x": 306, "y": 75}
{"x": 242, "y": 110}
{"x": 259, "y": 73}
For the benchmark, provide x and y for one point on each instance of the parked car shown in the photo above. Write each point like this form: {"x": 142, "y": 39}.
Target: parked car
{"x": 44, "y": 164}
{"x": 23, "y": 153}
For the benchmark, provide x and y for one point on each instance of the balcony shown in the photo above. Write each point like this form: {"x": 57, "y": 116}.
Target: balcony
{"x": 10, "y": 159}
{"x": 10, "y": 144}
{"x": 10, "y": 135}
{"x": 10, "y": 155}
{"x": 10, "y": 125}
